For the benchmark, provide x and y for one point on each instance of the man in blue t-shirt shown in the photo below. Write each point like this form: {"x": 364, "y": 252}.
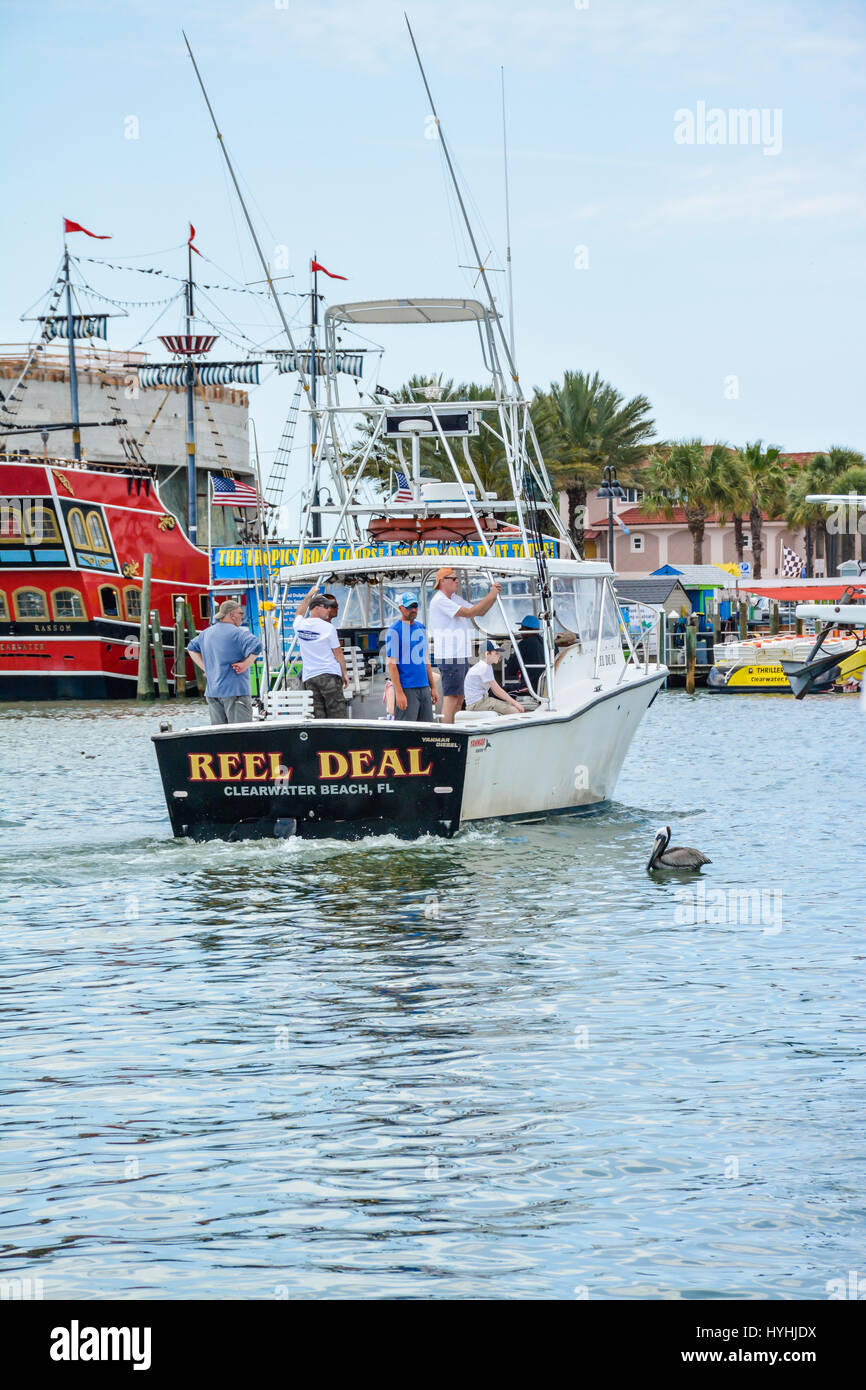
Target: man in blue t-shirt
{"x": 409, "y": 663}
{"x": 225, "y": 652}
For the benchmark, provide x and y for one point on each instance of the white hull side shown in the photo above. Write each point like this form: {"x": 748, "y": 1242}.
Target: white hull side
{"x": 557, "y": 762}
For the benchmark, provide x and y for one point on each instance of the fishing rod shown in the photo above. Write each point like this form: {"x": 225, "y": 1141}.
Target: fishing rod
{"x": 509, "y": 357}
{"x": 265, "y": 267}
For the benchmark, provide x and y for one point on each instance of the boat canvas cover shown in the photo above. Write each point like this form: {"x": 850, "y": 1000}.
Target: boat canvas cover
{"x": 352, "y": 363}
{"x": 213, "y": 374}
{"x": 410, "y": 311}
{"x": 83, "y": 326}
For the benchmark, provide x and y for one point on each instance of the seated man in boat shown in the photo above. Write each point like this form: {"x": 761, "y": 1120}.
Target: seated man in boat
{"x": 324, "y": 670}
{"x": 225, "y": 651}
{"x": 451, "y": 629}
{"x": 409, "y": 663}
{"x": 481, "y": 690}
{"x": 531, "y": 647}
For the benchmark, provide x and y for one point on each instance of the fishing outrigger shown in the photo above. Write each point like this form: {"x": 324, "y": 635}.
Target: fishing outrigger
{"x": 289, "y": 774}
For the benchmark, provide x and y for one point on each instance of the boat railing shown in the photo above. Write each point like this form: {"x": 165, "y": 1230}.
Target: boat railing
{"x": 643, "y": 641}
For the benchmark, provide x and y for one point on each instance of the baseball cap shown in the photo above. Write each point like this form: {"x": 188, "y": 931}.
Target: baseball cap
{"x": 492, "y": 647}
{"x": 530, "y": 621}
{"x": 441, "y": 573}
{"x": 408, "y": 600}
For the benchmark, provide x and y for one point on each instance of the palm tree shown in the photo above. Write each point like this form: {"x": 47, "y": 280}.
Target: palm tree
{"x": 853, "y": 482}
{"x": 583, "y": 425}
{"x": 804, "y": 516}
{"x": 826, "y": 473}
{"x": 695, "y": 476}
{"x": 766, "y": 486}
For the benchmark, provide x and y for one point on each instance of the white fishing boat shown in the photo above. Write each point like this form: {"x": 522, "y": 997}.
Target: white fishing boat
{"x": 289, "y": 774}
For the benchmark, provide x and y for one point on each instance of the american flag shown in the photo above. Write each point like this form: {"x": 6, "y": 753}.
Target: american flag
{"x": 404, "y": 491}
{"x": 228, "y": 492}
{"x": 792, "y": 565}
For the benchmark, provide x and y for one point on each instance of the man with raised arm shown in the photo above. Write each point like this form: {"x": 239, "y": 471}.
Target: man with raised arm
{"x": 449, "y": 618}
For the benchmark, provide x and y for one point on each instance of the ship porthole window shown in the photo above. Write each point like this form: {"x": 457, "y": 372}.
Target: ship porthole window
{"x": 30, "y": 604}
{"x": 4, "y": 609}
{"x": 109, "y": 600}
{"x": 96, "y": 530}
{"x": 67, "y": 604}
{"x": 132, "y": 600}
{"x": 77, "y": 529}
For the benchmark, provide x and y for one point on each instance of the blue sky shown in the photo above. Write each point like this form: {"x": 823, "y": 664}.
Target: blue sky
{"x": 706, "y": 262}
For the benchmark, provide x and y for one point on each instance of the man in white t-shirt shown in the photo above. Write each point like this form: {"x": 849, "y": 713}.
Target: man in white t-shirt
{"x": 448, "y": 622}
{"x": 482, "y": 691}
{"x": 324, "y": 665}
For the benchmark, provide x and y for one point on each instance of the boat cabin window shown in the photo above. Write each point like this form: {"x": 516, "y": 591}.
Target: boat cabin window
{"x": 4, "y": 608}
{"x": 610, "y": 627}
{"x": 67, "y": 604}
{"x": 132, "y": 603}
{"x": 518, "y": 599}
{"x": 30, "y": 604}
{"x": 96, "y": 531}
{"x": 203, "y": 606}
{"x": 77, "y": 530}
{"x": 109, "y": 600}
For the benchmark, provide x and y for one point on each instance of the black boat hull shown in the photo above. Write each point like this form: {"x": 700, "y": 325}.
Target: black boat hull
{"x": 316, "y": 780}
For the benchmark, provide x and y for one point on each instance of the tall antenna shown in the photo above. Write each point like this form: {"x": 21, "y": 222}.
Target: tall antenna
{"x": 509, "y": 356}
{"x": 265, "y": 266}
{"x": 507, "y": 220}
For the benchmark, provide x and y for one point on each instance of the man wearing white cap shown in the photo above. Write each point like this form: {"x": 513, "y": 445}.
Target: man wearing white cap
{"x": 409, "y": 663}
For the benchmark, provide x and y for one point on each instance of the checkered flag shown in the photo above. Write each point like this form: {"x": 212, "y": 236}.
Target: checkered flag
{"x": 792, "y": 565}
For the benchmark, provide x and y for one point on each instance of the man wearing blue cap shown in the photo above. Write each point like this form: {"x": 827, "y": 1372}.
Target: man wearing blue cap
{"x": 409, "y": 663}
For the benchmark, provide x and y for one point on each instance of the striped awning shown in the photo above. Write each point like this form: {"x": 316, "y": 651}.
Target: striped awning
{"x": 352, "y": 363}
{"x": 83, "y": 326}
{"x": 212, "y": 374}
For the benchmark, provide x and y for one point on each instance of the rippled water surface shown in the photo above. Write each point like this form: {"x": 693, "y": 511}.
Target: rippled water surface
{"x": 508, "y": 1065}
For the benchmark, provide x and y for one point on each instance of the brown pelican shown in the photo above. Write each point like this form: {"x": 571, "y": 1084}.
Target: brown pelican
{"x": 676, "y": 858}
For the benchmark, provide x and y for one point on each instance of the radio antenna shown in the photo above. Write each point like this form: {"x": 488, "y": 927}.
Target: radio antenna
{"x": 479, "y": 263}
{"x": 507, "y": 220}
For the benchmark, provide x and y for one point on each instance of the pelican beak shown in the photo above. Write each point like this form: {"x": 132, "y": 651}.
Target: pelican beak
{"x": 658, "y": 845}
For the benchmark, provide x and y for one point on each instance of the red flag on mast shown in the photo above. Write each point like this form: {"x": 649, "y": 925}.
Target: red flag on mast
{"x": 316, "y": 265}
{"x": 189, "y": 243}
{"x": 77, "y": 227}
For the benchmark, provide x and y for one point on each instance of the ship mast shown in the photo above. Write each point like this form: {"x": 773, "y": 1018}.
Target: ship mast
{"x": 314, "y": 424}
{"x": 73, "y": 371}
{"x": 192, "y": 500}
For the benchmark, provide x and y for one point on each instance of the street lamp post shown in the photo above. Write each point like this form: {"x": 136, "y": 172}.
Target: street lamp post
{"x": 610, "y": 488}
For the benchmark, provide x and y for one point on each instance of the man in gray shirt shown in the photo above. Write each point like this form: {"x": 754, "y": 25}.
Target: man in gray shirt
{"x": 225, "y": 652}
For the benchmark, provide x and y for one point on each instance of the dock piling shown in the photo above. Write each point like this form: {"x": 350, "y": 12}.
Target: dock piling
{"x": 200, "y": 679}
{"x": 691, "y": 653}
{"x": 158, "y": 654}
{"x": 144, "y": 688}
{"x": 179, "y": 648}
